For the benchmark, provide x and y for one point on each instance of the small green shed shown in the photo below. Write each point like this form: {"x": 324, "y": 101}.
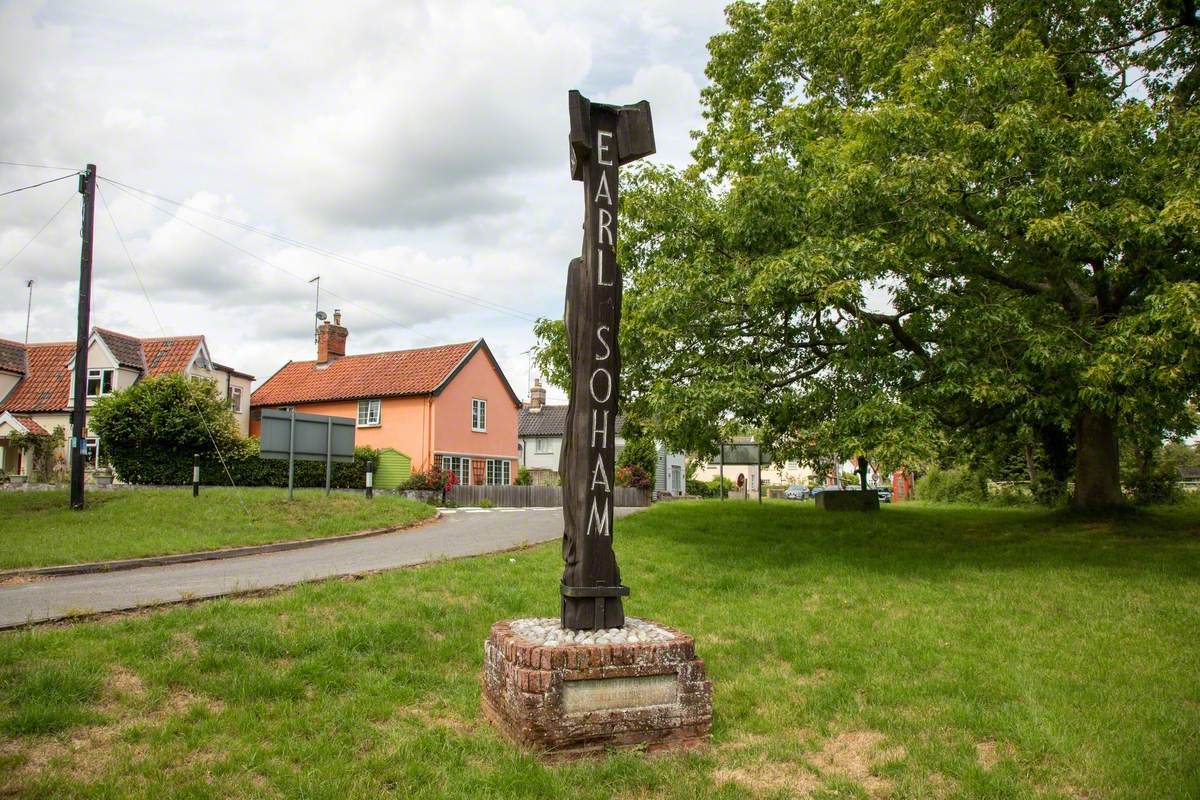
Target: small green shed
{"x": 393, "y": 469}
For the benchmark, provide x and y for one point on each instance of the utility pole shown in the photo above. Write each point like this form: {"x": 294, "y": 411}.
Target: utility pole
{"x": 28, "y": 308}
{"x": 87, "y": 188}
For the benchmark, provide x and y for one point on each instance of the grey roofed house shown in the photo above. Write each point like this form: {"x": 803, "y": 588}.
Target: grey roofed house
{"x": 540, "y": 430}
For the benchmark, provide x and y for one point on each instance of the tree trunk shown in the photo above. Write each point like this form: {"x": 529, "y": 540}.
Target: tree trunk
{"x": 1030, "y": 463}
{"x": 1097, "y": 462}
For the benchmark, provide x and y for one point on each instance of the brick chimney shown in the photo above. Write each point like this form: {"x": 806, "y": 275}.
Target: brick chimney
{"x": 537, "y": 397}
{"x": 331, "y": 339}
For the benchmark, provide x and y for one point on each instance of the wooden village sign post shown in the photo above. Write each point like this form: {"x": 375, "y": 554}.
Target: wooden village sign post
{"x": 592, "y": 679}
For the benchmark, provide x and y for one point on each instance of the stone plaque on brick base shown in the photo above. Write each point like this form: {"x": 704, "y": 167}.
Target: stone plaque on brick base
{"x": 638, "y": 686}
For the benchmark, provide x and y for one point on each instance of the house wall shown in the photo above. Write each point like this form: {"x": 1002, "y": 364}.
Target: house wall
{"x": 452, "y": 432}
{"x": 404, "y": 424}
{"x": 532, "y": 459}
{"x": 785, "y": 475}
{"x": 100, "y": 358}
{"x": 7, "y": 382}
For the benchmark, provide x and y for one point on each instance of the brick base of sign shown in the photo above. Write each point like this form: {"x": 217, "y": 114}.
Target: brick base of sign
{"x": 850, "y": 500}
{"x": 571, "y": 700}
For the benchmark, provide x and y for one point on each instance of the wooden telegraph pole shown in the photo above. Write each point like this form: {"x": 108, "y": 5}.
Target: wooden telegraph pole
{"x": 603, "y": 137}
{"x": 87, "y": 188}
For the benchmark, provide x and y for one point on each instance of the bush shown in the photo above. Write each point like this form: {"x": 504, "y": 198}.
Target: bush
{"x": 151, "y": 430}
{"x": 698, "y": 488}
{"x": 432, "y": 480}
{"x": 634, "y": 476}
{"x": 1010, "y": 495}
{"x": 639, "y": 450}
{"x": 957, "y": 485}
{"x": 485, "y": 503}
{"x": 524, "y": 478}
{"x": 1050, "y": 492}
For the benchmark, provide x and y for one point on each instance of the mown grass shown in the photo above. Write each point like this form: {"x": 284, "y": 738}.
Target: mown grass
{"x": 917, "y": 653}
{"x": 40, "y": 529}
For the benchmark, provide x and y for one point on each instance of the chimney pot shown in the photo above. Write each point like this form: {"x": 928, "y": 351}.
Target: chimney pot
{"x": 331, "y": 340}
{"x": 537, "y": 397}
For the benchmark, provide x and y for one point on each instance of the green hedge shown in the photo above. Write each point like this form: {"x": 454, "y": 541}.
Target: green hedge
{"x": 957, "y": 485}
{"x": 245, "y": 467}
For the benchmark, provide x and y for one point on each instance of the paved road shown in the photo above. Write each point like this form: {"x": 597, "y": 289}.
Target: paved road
{"x": 466, "y": 532}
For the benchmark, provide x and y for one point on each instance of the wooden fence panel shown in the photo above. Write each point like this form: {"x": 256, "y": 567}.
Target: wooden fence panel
{"x": 535, "y": 496}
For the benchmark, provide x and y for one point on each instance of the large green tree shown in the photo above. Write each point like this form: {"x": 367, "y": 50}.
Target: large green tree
{"x": 913, "y": 219}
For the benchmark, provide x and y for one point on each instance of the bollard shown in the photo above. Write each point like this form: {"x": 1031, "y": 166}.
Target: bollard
{"x": 195, "y": 474}
{"x": 370, "y": 479}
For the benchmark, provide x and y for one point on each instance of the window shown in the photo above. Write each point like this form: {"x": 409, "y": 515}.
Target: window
{"x": 99, "y": 382}
{"x": 498, "y": 471}
{"x": 92, "y": 457}
{"x": 543, "y": 445}
{"x": 479, "y": 415}
{"x": 235, "y": 399}
{"x": 368, "y": 413}
{"x": 461, "y": 467}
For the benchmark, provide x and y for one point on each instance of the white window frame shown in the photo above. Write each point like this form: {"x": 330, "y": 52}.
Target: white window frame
{"x": 543, "y": 446}
{"x": 498, "y": 472}
{"x": 460, "y": 466}
{"x": 235, "y": 399}
{"x": 478, "y": 415}
{"x": 92, "y": 455}
{"x": 99, "y": 375}
{"x": 366, "y": 420}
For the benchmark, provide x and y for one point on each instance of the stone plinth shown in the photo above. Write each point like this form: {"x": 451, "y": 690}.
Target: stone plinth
{"x": 568, "y": 699}
{"x": 850, "y": 500}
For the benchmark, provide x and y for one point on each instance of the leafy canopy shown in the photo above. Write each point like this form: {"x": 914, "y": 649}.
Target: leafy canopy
{"x": 911, "y": 219}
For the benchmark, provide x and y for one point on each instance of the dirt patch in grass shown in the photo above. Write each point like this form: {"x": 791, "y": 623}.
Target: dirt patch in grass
{"x": 86, "y": 753}
{"x": 991, "y": 753}
{"x": 430, "y": 715}
{"x": 851, "y": 755}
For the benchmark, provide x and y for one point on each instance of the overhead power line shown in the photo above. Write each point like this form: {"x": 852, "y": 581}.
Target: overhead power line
{"x": 321, "y": 251}
{"x": 37, "y": 166}
{"x": 35, "y": 185}
{"x": 45, "y": 225}
{"x": 162, "y": 330}
{"x": 274, "y": 266}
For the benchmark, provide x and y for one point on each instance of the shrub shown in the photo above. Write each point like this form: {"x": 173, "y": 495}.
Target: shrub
{"x": 524, "y": 478}
{"x": 957, "y": 485}
{"x": 635, "y": 477}
{"x": 485, "y": 503}
{"x": 1050, "y": 492}
{"x": 1010, "y": 495}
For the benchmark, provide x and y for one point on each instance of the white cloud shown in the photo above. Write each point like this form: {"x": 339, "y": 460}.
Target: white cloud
{"x": 426, "y": 139}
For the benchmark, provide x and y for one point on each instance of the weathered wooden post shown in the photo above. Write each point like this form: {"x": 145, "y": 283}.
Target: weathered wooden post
{"x": 603, "y": 137}
{"x": 592, "y": 679}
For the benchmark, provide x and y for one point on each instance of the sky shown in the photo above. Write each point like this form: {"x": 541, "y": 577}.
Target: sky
{"x": 421, "y": 146}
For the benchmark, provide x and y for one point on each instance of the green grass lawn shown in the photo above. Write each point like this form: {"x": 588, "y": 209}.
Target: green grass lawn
{"x": 39, "y": 528}
{"x": 916, "y": 653}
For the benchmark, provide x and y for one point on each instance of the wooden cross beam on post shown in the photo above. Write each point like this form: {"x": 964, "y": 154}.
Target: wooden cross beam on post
{"x": 603, "y": 137}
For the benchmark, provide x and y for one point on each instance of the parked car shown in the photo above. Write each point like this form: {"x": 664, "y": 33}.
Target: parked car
{"x": 795, "y": 492}
{"x": 816, "y": 490}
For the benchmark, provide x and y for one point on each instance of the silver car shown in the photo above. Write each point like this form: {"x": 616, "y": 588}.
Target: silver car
{"x": 795, "y": 492}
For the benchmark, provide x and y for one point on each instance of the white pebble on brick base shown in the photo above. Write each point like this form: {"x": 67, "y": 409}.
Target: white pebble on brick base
{"x": 545, "y": 631}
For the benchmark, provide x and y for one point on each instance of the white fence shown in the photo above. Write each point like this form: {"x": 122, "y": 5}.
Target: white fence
{"x": 542, "y": 496}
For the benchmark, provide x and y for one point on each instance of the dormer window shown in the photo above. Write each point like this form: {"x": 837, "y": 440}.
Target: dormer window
{"x": 99, "y": 382}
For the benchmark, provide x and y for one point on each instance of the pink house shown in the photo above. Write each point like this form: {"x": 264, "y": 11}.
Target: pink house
{"x": 448, "y": 405}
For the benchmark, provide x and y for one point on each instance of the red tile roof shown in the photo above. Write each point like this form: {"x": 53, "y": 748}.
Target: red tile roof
{"x": 32, "y": 426}
{"x": 47, "y": 382}
{"x": 390, "y": 374}
{"x": 167, "y": 355}
{"x": 12, "y": 356}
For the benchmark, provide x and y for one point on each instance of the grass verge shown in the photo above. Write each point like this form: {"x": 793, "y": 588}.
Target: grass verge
{"x": 39, "y": 528}
{"x": 916, "y": 653}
